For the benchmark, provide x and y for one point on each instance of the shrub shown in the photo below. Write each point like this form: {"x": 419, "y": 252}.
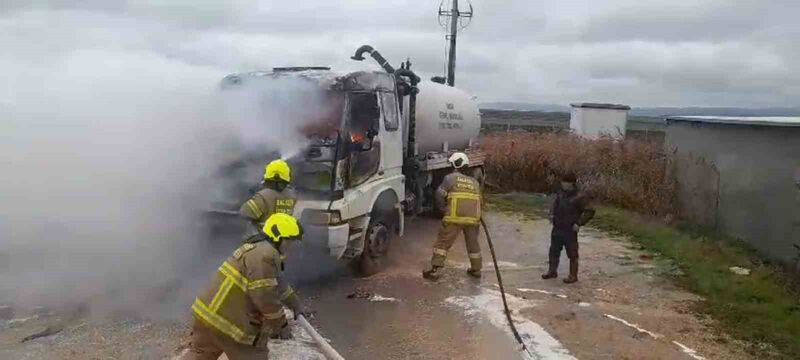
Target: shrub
{"x": 631, "y": 174}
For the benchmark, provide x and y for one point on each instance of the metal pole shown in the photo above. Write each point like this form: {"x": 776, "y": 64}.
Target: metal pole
{"x": 451, "y": 59}
{"x": 326, "y": 348}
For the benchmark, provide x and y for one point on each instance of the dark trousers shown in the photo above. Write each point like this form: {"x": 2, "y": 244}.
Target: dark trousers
{"x": 563, "y": 238}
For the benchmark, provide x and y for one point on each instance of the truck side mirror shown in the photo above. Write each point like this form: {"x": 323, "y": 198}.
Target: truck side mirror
{"x": 367, "y": 144}
{"x": 373, "y": 130}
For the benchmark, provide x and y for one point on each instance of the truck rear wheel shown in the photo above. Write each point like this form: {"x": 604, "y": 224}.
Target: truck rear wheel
{"x": 376, "y": 247}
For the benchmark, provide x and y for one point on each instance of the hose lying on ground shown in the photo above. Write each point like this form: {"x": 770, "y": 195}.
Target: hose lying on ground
{"x": 502, "y": 290}
{"x": 329, "y": 352}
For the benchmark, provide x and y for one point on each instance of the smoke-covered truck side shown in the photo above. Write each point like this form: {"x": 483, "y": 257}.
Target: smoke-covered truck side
{"x": 376, "y": 153}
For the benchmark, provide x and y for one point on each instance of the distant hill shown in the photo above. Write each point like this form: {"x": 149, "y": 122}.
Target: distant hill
{"x": 718, "y": 111}
{"x": 658, "y": 112}
{"x": 505, "y": 119}
{"x": 524, "y": 107}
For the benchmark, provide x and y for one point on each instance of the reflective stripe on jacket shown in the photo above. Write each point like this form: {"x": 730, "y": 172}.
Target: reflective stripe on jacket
{"x": 262, "y": 205}
{"x": 462, "y": 197}
{"x": 245, "y": 294}
{"x": 267, "y": 202}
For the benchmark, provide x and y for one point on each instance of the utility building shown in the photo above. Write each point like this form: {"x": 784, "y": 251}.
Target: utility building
{"x": 737, "y": 175}
{"x": 593, "y": 120}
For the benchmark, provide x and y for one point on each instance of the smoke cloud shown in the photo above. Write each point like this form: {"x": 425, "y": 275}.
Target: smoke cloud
{"x": 110, "y": 152}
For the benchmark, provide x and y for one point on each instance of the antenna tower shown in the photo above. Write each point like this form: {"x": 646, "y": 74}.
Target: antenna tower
{"x": 452, "y": 21}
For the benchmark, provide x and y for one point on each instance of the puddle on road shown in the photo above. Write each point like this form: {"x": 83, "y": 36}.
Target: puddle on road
{"x": 488, "y": 305}
{"x": 418, "y": 325}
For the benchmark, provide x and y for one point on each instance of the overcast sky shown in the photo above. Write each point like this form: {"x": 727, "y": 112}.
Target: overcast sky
{"x": 642, "y": 53}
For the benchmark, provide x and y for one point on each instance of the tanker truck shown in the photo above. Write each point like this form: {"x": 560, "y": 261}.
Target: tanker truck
{"x": 376, "y": 155}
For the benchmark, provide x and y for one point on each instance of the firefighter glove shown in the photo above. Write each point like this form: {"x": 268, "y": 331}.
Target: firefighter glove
{"x": 285, "y": 333}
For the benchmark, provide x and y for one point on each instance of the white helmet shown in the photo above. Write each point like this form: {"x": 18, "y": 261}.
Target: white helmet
{"x": 458, "y": 160}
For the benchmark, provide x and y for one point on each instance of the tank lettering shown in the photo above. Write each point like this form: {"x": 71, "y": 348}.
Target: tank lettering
{"x": 444, "y": 115}
{"x": 449, "y": 125}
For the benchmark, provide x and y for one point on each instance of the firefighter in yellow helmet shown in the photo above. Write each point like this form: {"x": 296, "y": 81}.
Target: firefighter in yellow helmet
{"x": 243, "y": 307}
{"x": 460, "y": 195}
{"x": 274, "y": 197}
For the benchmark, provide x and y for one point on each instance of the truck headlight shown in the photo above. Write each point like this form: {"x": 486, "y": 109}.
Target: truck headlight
{"x": 321, "y": 217}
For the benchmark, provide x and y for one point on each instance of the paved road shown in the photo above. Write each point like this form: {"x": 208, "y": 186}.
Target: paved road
{"x": 399, "y": 315}
{"x": 621, "y": 309}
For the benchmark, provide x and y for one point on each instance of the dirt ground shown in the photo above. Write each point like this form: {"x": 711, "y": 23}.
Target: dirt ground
{"x": 622, "y": 308}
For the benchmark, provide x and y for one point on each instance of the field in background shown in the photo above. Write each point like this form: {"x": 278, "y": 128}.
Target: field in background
{"x": 495, "y": 121}
{"x": 630, "y": 174}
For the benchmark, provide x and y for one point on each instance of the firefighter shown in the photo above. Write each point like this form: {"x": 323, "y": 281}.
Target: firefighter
{"x": 461, "y": 197}
{"x": 274, "y": 197}
{"x": 243, "y": 307}
{"x": 570, "y": 210}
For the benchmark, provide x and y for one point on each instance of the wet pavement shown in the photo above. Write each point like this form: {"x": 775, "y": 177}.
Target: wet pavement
{"x": 621, "y": 309}
{"x": 418, "y": 324}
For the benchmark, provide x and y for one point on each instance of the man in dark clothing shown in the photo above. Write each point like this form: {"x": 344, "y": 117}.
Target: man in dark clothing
{"x": 570, "y": 211}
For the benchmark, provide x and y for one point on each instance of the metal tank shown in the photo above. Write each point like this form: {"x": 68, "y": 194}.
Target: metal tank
{"x": 447, "y": 118}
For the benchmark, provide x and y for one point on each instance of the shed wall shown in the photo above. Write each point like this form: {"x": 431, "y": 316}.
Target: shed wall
{"x": 751, "y": 169}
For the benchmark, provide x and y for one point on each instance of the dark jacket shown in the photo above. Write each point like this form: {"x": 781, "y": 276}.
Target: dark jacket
{"x": 570, "y": 208}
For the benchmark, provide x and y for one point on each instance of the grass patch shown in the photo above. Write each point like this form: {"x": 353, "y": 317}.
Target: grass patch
{"x": 761, "y": 309}
{"x": 534, "y": 205}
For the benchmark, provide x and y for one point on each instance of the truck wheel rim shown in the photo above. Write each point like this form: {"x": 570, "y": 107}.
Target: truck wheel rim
{"x": 378, "y": 240}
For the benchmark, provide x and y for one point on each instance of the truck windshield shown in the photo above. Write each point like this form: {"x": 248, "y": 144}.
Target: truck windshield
{"x": 315, "y": 165}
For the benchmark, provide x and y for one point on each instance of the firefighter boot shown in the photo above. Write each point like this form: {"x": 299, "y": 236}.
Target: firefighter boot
{"x": 552, "y": 271}
{"x": 474, "y": 273}
{"x": 434, "y": 273}
{"x": 573, "y": 272}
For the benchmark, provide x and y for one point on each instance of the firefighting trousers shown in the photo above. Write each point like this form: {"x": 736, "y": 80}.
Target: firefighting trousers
{"x": 563, "y": 239}
{"x": 208, "y": 344}
{"x": 447, "y": 236}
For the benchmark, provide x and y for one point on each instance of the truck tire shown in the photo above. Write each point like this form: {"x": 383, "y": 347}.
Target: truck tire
{"x": 376, "y": 247}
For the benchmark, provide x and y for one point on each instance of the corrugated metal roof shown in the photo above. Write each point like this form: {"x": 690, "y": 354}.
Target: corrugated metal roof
{"x": 601, "y": 106}
{"x": 785, "y": 121}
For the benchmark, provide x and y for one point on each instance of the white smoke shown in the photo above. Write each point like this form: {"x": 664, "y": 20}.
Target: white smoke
{"x": 109, "y": 152}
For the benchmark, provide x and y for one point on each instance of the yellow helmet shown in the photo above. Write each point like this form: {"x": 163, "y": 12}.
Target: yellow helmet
{"x": 278, "y": 169}
{"x": 282, "y": 226}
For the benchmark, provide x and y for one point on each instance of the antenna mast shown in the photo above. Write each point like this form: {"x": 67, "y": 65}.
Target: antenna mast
{"x": 455, "y": 18}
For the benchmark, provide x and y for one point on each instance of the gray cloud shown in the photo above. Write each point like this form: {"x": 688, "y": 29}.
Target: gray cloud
{"x": 678, "y": 52}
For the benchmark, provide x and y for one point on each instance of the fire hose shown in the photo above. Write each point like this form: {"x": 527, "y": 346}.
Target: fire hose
{"x": 503, "y": 291}
{"x": 327, "y": 350}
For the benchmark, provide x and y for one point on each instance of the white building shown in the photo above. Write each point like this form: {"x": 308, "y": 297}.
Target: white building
{"x": 593, "y": 120}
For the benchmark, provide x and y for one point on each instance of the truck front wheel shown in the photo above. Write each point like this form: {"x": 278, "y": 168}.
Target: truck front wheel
{"x": 376, "y": 247}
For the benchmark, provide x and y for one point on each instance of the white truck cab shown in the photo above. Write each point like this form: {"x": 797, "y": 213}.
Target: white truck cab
{"x": 376, "y": 155}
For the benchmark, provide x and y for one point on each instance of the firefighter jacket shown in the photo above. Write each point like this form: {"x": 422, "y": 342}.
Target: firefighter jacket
{"x": 246, "y": 294}
{"x": 263, "y": 204}
{"x": 461, "y": 197}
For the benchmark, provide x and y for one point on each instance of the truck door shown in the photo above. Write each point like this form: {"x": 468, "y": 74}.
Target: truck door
{"x": 362, "y": 135}
{"x": 391, "y": 136}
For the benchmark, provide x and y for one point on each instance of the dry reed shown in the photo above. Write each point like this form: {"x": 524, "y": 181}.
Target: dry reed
{"x": 630, "y": 174}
